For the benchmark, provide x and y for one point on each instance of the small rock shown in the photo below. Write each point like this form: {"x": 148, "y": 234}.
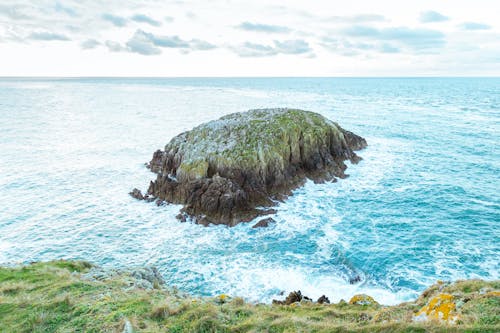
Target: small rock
{"x": 136, "y": 193}
{"x": 264, "y": 223}
{"x": 151, "y": 275}
{"x": 294, "y": 296}
{"x": 362, "y": 299}
{"x": 323, "y": 300}
{"x": 160, "y": 202}
{"x": 127, "y": 328}
{"x": 181, "y": 217}
{"x": 355, "y": 279}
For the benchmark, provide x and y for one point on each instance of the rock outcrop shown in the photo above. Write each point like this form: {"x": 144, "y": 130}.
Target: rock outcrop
{"x": 221, "y": 171}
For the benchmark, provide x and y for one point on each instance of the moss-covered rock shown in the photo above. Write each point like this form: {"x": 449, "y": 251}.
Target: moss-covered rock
{"x": 221, "y": 170}
{"x": 362, "y": 299}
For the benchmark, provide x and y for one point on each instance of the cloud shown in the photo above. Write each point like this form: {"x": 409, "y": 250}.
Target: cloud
{"x": 259, "y": 27}
{"x": 474, "y": 26}
{"x": 201, "y": 45}
{"x": 114, "y": 46}
{"x": 141, "y": 18}
{"x": 67, "y": 10}
{"x": 297, "y": 46}
{"x": 362, "y": 18}
{"x": 349, "y": 48}
{"x": 361, "y": 31}
{"x": 415, "y": 38}
{"x": 89, "y": 44}
{"x": 249, "y": 49}
{"x": 47, "y": 36}
{"x": 142, "y": 44}
{"x": 167, "y": 41}
{"x": 432, "y": 16}
{"x": 14, "y": 12}
{"x": 146, "y": 43}
{"x": 115, "y": 20}
{"x": 177, "y": 42}
{"x": 388, "y": 48}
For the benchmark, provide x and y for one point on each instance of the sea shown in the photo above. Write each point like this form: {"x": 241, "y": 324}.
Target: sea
{"x": 423, "y": 204}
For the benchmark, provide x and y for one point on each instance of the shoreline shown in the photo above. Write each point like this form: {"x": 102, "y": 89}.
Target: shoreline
{"x": 57, "y": 295}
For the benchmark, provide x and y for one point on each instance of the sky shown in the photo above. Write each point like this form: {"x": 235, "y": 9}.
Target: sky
{"x": 216, "y": 38}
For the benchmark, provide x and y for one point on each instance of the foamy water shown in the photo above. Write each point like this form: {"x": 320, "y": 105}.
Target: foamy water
{"x": 422, "y": 205}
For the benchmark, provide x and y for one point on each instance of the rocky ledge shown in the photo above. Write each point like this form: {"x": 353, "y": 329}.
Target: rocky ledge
{"x": 223, "y": 170}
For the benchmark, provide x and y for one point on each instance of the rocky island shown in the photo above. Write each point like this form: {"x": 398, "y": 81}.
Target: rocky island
{"x": 230, "y": 170}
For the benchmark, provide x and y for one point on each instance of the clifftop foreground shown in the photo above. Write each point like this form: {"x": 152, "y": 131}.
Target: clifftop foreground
{"x": 222, "y": 170}
{"x": 68, "y": 296}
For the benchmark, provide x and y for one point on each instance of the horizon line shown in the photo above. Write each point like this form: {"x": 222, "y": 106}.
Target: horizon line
{"x": 243, "y": 77}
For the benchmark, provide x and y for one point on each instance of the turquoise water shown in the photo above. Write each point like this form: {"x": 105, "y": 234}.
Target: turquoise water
{"x": 422, "y": 205}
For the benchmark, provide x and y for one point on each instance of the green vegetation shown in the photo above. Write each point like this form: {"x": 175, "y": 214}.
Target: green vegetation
{"x": 253, "y": 140}
{"x": 57, "y": 297}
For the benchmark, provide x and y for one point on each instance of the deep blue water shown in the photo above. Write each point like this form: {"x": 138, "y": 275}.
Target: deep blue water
{"x": 423, "y": 205}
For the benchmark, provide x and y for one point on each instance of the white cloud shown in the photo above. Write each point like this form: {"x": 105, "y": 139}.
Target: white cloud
{"x": 432, "y": 16}
{"x": 267, "y": 38}
{"x": 475, "y": 26}
{"x": 141, "y": 18}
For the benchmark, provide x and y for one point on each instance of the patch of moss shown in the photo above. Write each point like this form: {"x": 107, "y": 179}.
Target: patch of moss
{"x": 252, "y": 139}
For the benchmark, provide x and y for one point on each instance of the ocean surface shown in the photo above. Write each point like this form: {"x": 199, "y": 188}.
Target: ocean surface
{"x": 423, "y": 205}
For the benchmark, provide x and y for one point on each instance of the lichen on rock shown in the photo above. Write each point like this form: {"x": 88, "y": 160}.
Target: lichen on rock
{"x": 362, "y": 299}
{"x": 441, "y": 307}
{"x": 221, "y": 171}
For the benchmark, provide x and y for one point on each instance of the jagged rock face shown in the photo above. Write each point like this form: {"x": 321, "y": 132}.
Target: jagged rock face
{"x": 222, "y": 170}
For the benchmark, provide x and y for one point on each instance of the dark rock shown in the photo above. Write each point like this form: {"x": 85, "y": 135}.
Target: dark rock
{"x": 202, "y": 220}
{"x": 264, "y": 223}
{"x": 294, "y": 296}
{"x": 323, "y": 300}
{"x": 222, "y": 170}
{"x": 136, "y": 193}
{"x": 156, "y": 161}
{"x": 181, "y": 217}
{"x": 160, "y": 202}
{"x": 355, "y": 279}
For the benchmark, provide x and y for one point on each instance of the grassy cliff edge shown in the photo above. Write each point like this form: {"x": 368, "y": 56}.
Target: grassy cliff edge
{"x": 69, "y": 296}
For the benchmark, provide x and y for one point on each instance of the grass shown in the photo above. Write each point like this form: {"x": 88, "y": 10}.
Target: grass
{"x": 54, "y": 297}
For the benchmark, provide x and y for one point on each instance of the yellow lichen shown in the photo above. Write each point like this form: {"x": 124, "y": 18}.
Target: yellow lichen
{"x": 362, "y": 299}
{"x": 222, "y": 298}
{"x": 441, "y": 307}
{"x": 495, "y": 293}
